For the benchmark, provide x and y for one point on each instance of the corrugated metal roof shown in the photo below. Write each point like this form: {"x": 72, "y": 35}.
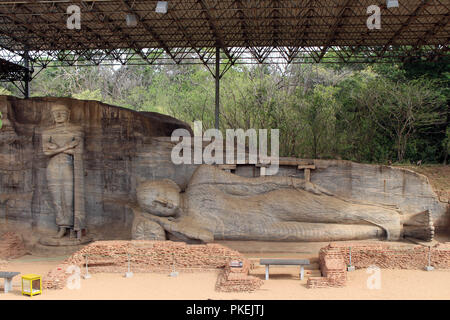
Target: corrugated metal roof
{"x": 258, "y": 27}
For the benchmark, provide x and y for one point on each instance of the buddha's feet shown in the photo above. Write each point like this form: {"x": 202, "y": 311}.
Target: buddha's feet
{"x": 61, "y": 233}
{"x": 419, "y": 226}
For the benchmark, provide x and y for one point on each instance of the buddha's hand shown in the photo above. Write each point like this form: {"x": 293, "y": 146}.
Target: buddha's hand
{"x": 51, "y": 146}
{"x": 70, "y": 151}
{"x": 183, "y": 227}
{"x": 72, "y": 144}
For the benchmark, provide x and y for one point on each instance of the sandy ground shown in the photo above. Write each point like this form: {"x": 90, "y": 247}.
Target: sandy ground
{"x": 284, "y": 284}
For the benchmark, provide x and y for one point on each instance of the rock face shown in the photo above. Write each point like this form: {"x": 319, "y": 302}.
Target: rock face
{"x": 380, "y": 184}
{"x": 63, "y": 143}
{"x": 121, "y": 148}
{"x": 125, "y": 152}
{"x": 370, "y": 183}
{"x": 217, "y": 205}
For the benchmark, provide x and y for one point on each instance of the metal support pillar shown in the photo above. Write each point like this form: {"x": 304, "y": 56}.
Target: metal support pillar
{"x": 27, "y": 76}
{"x": 217, "y": 77}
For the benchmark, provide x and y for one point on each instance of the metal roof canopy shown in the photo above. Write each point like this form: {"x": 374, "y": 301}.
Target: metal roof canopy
{"x": 245, "y": 30}
{"x": 34, "y": 33}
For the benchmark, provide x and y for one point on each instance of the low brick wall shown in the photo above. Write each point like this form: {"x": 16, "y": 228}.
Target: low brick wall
{"x": 153, "y": 256}
{"x": 237, "y": 279}
{"x": 394, "y": 256}
{"x": 332, "y": 267}
{"x": 11, "y": 246}
{"x": 334, "y": 258}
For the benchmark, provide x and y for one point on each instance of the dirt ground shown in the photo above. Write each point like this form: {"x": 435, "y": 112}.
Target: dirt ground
{"x": 284, "y": 284}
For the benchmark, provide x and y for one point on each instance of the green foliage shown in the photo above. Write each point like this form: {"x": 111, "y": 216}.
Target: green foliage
{"x": 399, "y": 109}
{"x": 396, "y": 112}
{"x": 7, "y": 89}
{"x": 88, "y": 95}
{"x": 319, "y": 115}
{"x": 5, "y": 92}
{"x": 446, "y": 144}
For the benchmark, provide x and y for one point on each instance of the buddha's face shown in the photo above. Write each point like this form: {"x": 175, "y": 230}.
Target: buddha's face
{"x": 161, "y": 198}
{"x": 60, "y": 115}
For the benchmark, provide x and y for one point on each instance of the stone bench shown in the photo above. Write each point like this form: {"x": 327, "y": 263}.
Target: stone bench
{"x": 8, "y": 276}
{"x": 285, "y": 262}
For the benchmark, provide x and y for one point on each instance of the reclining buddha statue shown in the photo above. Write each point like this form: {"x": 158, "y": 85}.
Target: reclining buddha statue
{"x": 218, "y": 205}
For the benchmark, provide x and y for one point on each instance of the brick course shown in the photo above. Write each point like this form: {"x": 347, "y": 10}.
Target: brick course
{"x": 237, "y": 279}
{"x": 11, "y": 246}
{"x": 334, "y": 258}
{"x": 156, "y": 256}
{"x": 332, "y": 267}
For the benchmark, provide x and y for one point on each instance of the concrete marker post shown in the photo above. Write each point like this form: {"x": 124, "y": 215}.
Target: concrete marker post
{"x": 173, "y": 273}
{"x": 350, "y": 268}
{"x": 429, "y": 267}
{"x": 86, "y": 275}
{"x": 129, "y": 274}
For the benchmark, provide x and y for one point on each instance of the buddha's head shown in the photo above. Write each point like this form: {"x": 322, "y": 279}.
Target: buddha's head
{"x": 161, "y": 198}
{"x": 60, "y": 113}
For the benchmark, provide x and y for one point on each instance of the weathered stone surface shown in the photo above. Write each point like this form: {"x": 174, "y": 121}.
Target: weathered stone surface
{"x": 144, "y": 229}
{"x": 121, "y": 148}
{"x": 409, "y": 191}
{"x": 217, "y": 205}
{"x": 55, "y": 241}
{"x": 124, "y": 149}
{"x": 161, "y": 197}
{"x": 379, "y": 184}
{"x": 63, "y": 143}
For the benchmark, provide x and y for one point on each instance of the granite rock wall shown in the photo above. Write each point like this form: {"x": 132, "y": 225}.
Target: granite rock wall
{"x": 122, "y": 148}
{"x": 378, "y": 184}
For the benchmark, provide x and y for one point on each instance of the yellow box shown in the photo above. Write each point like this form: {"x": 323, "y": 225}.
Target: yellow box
{"x": 31, "y": 284}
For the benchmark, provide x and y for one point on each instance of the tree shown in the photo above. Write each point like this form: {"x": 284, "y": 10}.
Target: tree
{"x": 357, "y": 112}
{"x": 401, "y": 108}
{"x": 319, "y": 113}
